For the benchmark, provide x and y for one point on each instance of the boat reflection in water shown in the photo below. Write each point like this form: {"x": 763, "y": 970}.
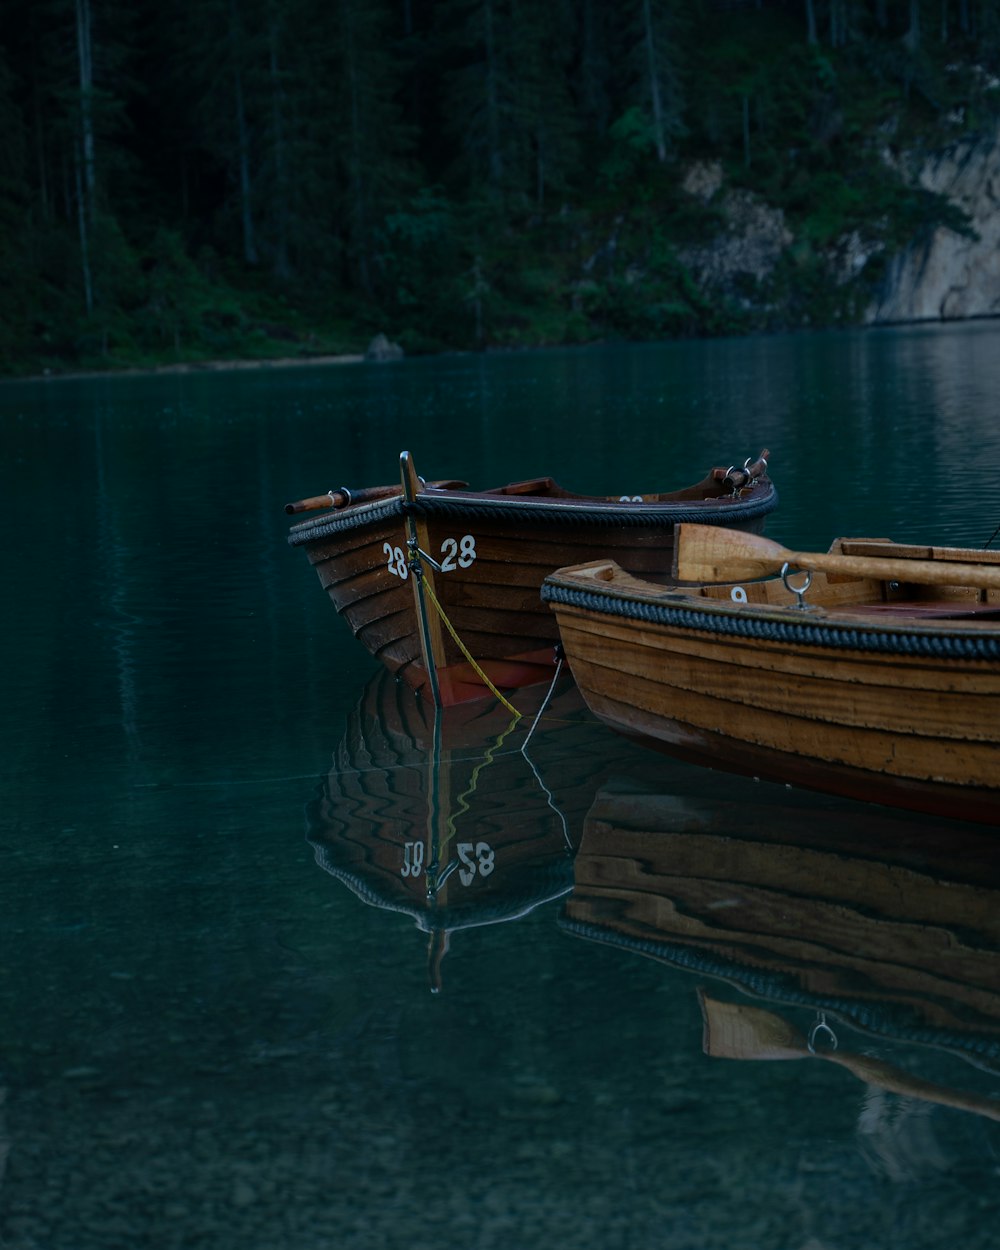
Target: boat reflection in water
{"x": 854, "y": 920}
{"x": 460, "y": 816}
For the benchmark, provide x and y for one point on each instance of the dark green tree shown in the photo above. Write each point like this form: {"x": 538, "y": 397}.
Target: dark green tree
{"x": 653, "y": 35}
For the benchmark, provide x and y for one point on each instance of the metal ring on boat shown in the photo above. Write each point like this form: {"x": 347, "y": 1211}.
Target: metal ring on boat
{"x": 821, "y": 1028}
{"x": 797, "y": 590}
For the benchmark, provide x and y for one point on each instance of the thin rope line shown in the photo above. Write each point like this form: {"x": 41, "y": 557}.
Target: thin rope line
{"x": 489, "y": 756}
{"x": 545, "y": 704}
{"x": 465, "y": 651}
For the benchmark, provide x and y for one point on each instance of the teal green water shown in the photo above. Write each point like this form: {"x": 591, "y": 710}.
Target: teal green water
{"x": 216, "y": 1024}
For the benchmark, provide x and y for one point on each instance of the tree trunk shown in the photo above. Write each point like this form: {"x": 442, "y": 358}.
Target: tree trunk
{"x": 356, "y": 188}
{"x": 654, "y": 83}
{"x": 43, "y": 169}
{"x": 912, "y": 37}
{"x": 85, "y": 57}
{"x": 811, "y": 34}
{"x": 964, "y": 25}
{"x": 243, "y": 144}
{"x": 250, "y": 254}
{"x": 492, "y": 97}
{"x": 281, "y": 264}
{"x": 746, "y": 131}
{"x": 83, "y": 224}
{"x": 592, "y": 87}
{"x": 84, "y": 154}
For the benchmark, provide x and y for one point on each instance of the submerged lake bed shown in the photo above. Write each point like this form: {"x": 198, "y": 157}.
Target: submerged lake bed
{"x": 240, "y": 1008}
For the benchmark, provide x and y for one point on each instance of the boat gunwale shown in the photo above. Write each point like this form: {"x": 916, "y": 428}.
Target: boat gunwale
{"x": 756, "y": 501}
{"x": 777, "y": 986}
{"x": 555, "y": 881}
{"x": 674, "y": 609}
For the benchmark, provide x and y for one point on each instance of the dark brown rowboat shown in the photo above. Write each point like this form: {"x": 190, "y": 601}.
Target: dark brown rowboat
{"x": 422, "y": 570}
{"x": 885, "y": 688}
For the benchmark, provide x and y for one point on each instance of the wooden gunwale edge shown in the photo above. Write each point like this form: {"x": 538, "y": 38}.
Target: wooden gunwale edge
{"x": 678, "y": 600}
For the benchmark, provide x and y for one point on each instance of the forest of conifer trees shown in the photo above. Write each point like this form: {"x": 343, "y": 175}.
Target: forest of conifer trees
{"x": 220, "y": 178}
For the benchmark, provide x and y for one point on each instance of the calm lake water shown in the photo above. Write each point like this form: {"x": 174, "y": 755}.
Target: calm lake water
{"x": 231, "y": 1015}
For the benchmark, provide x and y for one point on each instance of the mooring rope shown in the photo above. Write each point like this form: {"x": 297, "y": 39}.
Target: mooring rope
{"x": 488, "y": 757}
{"x": 465, "y": 650}
{"x": 545, "y": 701}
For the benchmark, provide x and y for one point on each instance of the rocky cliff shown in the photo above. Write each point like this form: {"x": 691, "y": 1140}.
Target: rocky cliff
{"x": 949, "y": 275}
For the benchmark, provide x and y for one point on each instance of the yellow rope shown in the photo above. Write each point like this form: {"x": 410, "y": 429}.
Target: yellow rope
{"x": 465, "y": 651}
{"x": 487, "y": 759}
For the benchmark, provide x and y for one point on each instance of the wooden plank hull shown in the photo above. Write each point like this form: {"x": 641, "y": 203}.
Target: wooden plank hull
{"x": 889, "y": 923}
{"x": 493, "y": 552}
{"x": 877, "y": 708}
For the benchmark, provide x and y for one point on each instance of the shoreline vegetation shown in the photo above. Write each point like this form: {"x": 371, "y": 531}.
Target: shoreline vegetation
{"x": 237, "y": 364}
{"x": 194, "y": 366}
{"x": 282, "y": 179}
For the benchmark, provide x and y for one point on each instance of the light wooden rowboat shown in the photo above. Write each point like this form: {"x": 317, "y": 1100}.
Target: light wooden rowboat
{"x": 881, "y": 681}
{"x": 422, "y": 570}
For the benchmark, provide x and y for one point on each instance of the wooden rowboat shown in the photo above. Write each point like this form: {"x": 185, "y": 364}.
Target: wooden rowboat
{"x": 853, "y": 922}
{"x": 880, "y": 681}
{"x": 441, "y": 583}
{"x": 459, "y": 817}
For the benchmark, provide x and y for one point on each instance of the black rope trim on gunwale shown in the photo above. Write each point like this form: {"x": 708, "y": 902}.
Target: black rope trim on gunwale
{"x": 553, "y": 881}
{"x": 570, "y": 512}
{"x": 327, "y": 526}
{"x": 843, "y": 637}
{"x": 872, "y": 1017}
{"x": 602, "y": 515}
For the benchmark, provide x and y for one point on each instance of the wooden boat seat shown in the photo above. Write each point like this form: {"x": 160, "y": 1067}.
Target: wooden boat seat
{"x": 534, "y": 486}
{"x": 930, "y": 609}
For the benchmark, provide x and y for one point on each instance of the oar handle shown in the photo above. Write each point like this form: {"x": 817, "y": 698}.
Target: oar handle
{"x": 332, "y": 499}
{"x": 749, "y": 473}
{"x": 920, "y": 572}
{"x": 344, "y": 497}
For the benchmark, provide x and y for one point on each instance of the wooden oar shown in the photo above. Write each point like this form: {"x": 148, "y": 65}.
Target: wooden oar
{"x": 914, "y": 551}
{"x": 341, "y": 498}
{"x": 709, "y": 553}
{"x": 740, "y": 1031}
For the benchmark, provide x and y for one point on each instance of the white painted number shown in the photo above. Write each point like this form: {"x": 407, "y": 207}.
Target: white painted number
{"x": 630, "y": 499}
{"x": 738, "y": 594}
{"x": 464, "y": 551}
{"x": 484, "y": 862}
{"x": 397, "y": 561}
{"x": 413, "y": 859}
{"x": 455, "y": 552}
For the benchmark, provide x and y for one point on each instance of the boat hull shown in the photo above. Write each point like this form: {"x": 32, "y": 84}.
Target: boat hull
{"x": 460, "y": 817}
{"x": 492, "y": 557}
{"x": 889, "y": 922}
{"x": 903, "y": 715}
